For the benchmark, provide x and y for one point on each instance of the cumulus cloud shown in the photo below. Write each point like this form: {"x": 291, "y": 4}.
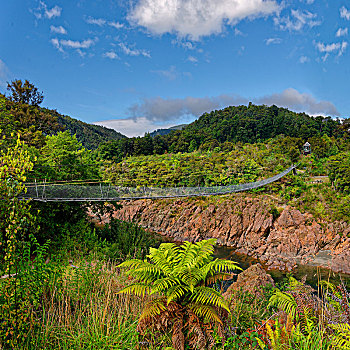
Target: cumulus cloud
{"x": 273, "y": 41}
{"x": 345, "y": 13}
{"x": 135, "y": 126}
{"x": 158, "y": 112}
{"x": 193, "y": 18}
{"x": 341, "y": 32}
{"x": 44, "y": 12}
{"x": 133, "y": 51}
{"x": 300, "y": 102}
{"x": 111, "y": 54}
{"x": 161, "y": 109}
{"x": 297, "y": 20}
{"x": 58, "y": 30}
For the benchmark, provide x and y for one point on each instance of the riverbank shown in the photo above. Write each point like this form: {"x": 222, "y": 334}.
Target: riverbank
{"x": 279, "y": 236}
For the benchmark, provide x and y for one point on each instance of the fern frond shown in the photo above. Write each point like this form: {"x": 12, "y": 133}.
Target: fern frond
{"x": 341, "y": 339}
{"x": 209, "y": 296}
{"x": 161, "y": 285}
{"x": 132, "y": 263}
{"x": 145, "y": 271}
{"x": 285, "y": 302}
{"x": 165, "y": 257}
{"x": 207, "y": 312}
{"x": 220, "y": 266}
{"x": 176, "y": 292}
{"x": 218, "y": 277}
{"x": 139, "y": 289}
{"x": 191, "y": 276}
{"x": 205, "y": 249}
{"x": 153, "y": 308}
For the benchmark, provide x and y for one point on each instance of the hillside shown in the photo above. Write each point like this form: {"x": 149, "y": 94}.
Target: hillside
{"x": 222, "y": 128}
{"x": 33, "y": 123}
{"x": 162, "y": 132}
{"x": 89, "y": 135}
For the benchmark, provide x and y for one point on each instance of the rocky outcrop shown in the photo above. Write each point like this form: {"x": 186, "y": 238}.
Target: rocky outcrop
{"x": 248, "y": 225}
{"x": 251, "y": 280}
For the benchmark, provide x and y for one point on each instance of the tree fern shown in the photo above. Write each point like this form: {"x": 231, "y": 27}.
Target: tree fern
{"x": 180, "y": 276}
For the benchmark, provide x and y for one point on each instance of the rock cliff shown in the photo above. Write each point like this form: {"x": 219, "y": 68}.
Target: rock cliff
{"x": 248, "y": 225}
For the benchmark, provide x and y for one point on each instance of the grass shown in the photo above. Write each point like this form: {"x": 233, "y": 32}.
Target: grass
{"x": 84, "y": 311}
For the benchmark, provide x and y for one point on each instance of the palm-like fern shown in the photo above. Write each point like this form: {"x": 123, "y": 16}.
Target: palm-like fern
{"x": 180, "y": 278}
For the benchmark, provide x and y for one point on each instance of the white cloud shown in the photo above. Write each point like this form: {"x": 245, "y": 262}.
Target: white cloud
{"x": 58, "y": 30}
{"x": 44, "y": 12}
{"x": 170, "y": 73}
{"x": 239, "y": 33}
{"x": 192, "y": 59}
{"x": 116, "y": 25}
{"x": 297, "y": 21}
{"x": 155, "y": 113}
{"x": 304, "y": 59}
{"x": 54, "y": 12}
{"x": 345, "y": 13}
{"x": 135, "y": 126}
{"x": 161, "y": 109}
{"x": 111, "y": 54}
{"x": 133, "y": 51}
{"x": 59, "y": 44}
{"x": 327, "y": 49}
{"x": 97, "y": 21}
{"x": 194, "y": 18}
{"x": 273, "y": 41}
{"x": 300, "y": 102}
{"x": 341, "y": 32}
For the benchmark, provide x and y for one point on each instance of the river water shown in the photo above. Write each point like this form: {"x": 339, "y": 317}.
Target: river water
{"x": 313, "y": 273}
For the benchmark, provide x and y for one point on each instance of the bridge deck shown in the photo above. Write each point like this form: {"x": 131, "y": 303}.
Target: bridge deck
{"x": 87, "y": 193}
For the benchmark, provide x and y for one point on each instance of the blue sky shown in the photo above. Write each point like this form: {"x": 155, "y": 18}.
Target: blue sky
{"x": 137, "y": 65}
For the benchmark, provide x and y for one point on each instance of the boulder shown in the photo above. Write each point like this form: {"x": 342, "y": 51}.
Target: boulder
{"x": 251, "y": 280}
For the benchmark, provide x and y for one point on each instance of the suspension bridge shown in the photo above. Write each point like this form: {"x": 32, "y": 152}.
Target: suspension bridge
{"x": 102, "y": 192}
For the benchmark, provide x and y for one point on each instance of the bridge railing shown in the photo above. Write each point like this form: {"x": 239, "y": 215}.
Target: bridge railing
{"x": 104, "y": 192}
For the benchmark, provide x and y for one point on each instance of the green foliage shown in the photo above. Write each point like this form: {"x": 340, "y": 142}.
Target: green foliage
{"x": 24, "y": 92}
{"x": 339, "y": 171}
{"x": 180, "y": 276}
{"x": 247, "y": 124}
{"x": 23, "y": 269}
{"x": 125, "y": 240}
{"x": 64, "y": 158}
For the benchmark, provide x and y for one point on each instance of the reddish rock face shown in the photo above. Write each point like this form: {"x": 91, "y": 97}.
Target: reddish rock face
{"x": 246, "y": 224}
{"x": 251, "y": 280}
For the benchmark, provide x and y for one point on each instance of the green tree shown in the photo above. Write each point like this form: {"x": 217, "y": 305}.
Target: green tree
{"x": 24, "y": 92}
{"x": 64, "y": 158}
{"x": 181, "y": 276}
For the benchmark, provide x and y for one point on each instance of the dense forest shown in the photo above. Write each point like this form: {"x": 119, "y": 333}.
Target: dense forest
{"x": 223, "y": 128}
{"x": 69, "y": 283}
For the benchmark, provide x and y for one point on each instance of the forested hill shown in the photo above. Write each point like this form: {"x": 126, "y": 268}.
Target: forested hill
{"x": 222, "y": 128}
{"x": 89, "y": 135}
{"x": 33, "y": 123}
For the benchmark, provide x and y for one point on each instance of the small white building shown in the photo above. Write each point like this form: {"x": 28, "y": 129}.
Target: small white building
{"x": 307, "y": 148}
